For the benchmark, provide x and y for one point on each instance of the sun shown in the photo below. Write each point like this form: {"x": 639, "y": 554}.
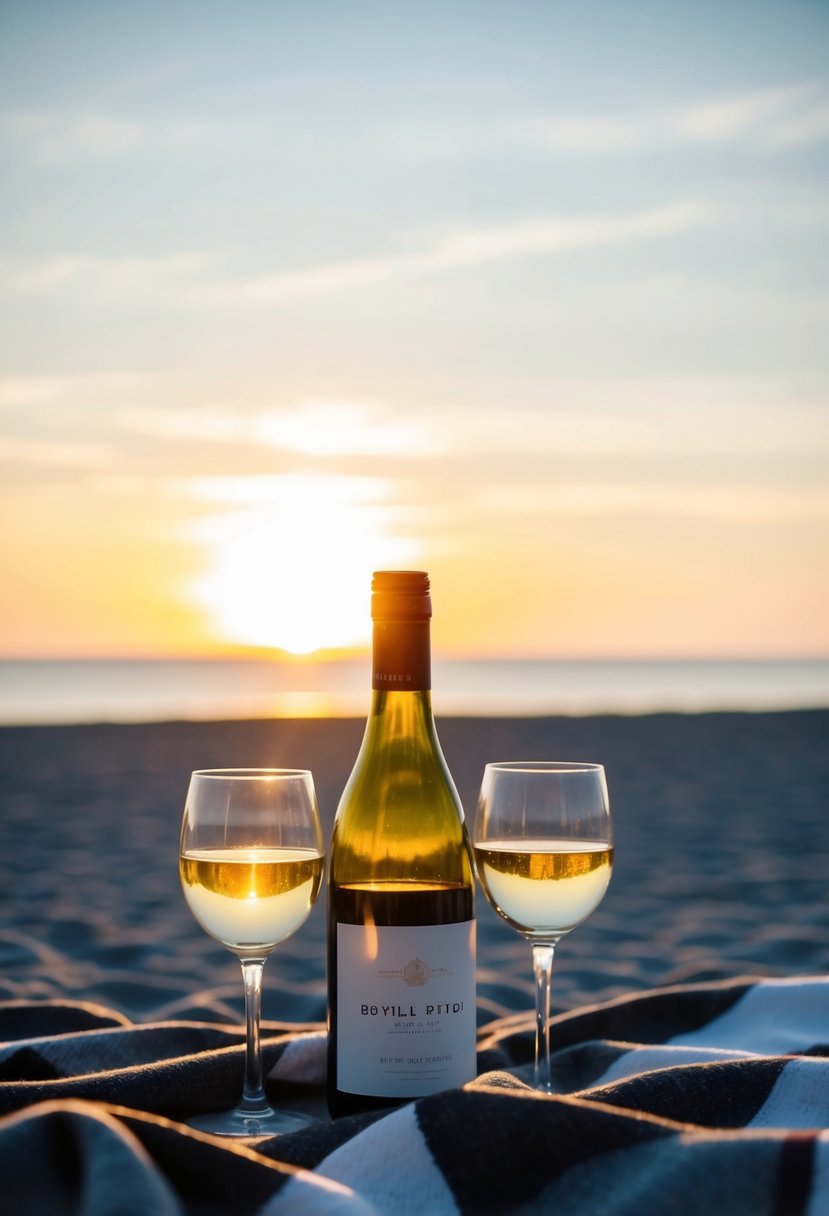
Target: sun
{"x": 290, "y": 560}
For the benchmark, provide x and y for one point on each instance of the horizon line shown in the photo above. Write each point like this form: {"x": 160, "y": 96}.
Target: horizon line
{"x": 274, "y": 655}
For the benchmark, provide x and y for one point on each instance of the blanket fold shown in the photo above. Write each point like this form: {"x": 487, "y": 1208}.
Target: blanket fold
{"x": 706, "y": 1098}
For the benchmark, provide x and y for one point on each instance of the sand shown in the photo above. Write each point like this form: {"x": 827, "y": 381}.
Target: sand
{"x": 722, "y": 839}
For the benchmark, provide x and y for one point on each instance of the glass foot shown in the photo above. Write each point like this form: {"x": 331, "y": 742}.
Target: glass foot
{"x": 251, "y": 1125}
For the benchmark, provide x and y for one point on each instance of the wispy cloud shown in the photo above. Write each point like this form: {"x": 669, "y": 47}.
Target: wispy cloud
{"x": 52, "y": 137}
{"x": 770, "y": 118}
{"x": 740, "y": 503}
{"x": 156, "y": 414}
{"x": 736, "y": 418}
{"x": 98, "y": 390}
{"x": 108, "y": 277}
{"x": 766, "y": 120}
{"x": 285, "y": 491}
{"x": 304, "y": 428}
{"x": 153, "y": 422}
{"x": 183, "y": 278}
{"x": 19, "y": 451}
{"x": 544, "y": 236}
{"x": 347, "y": 428}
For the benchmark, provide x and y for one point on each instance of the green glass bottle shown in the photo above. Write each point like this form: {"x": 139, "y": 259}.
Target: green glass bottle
{"x": 401, "y": 892}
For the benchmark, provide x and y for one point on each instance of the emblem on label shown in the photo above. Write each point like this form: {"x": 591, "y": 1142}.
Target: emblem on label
{"x": 415, "y": 974}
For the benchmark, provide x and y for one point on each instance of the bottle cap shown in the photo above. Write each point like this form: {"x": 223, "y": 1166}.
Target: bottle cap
{"x": 400, "y": 595}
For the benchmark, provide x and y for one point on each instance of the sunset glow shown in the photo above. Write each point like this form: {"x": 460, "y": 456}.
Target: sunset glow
{"x": 291, "y": 560}
{"x": 292, "y": 299}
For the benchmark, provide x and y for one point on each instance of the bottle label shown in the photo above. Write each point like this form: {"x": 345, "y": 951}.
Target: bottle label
{"x": 405, "y": 1008}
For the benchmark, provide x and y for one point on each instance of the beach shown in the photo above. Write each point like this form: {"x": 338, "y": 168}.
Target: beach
{"x": 721, "y": 834}
{"x": 688, "y": 1038}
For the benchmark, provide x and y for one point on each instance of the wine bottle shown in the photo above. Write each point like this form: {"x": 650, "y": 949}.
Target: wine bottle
{"x": 401, "y": 892}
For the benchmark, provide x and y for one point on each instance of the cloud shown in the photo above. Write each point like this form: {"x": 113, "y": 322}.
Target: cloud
{"x": 732, "y": 418}
{"x": 739, "y": 503}
{"x": 178, "y": 274}
{"x": 346, "y": 428}
{"x": 19, "y": 452}
{"x": 95, "y": 390}
{"x": 644, "y": 417}
{"x": 304, "y": 428}
{"x": 766, "y": 120}
{"x": 52, "y": 137}
{"x": 773, "y": 119}
{"x": 146, "y": 417}
{"x": 105, "y": 277}
{"x": 324, "y": 490}
{"x": 461, "y": 250}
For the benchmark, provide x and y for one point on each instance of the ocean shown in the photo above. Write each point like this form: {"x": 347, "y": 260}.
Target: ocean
{"x": 46, "y": 692}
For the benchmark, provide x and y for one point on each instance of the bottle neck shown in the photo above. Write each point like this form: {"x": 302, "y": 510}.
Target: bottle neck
{"x": 401, "y": 657}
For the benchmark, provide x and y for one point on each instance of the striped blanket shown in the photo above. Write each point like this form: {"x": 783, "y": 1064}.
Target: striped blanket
{"x": 709, "y": 1098}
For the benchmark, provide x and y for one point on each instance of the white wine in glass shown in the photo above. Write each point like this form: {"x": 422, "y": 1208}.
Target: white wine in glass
{"x": 251, "y": 861}
{"x": 543, "y": 850}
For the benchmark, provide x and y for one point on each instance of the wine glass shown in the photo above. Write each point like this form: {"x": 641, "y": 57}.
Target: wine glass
{"x": 250, "y": 863}
{"x": 543, "y": 849}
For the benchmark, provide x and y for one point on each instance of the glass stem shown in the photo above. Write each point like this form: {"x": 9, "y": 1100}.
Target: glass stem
{"x": 543, "y": 969}
{"x": 253, "y": 1100}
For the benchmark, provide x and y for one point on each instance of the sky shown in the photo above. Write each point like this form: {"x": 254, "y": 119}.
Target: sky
{"x": 533, "y": 296}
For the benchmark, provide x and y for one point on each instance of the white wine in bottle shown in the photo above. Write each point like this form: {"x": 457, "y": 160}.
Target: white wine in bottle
{"x": 401, "y": 896}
